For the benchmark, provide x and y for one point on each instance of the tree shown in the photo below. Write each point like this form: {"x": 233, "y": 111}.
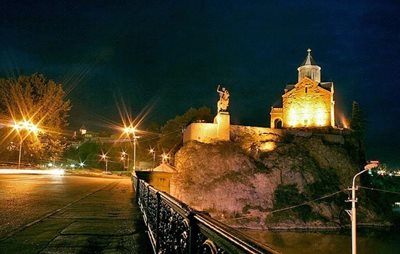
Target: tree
{"x": 357, "y": 124}
{"x": 357, "y": 119}
{"x": 43, "y": 102}
{"x": 88, "y": 153}
{"x": 171, "y": 132}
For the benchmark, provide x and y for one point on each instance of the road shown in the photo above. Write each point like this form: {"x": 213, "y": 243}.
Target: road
{"x": 69, "y": 214}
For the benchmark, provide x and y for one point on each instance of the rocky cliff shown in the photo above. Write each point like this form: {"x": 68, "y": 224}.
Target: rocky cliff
{"x": 252, "y": 180}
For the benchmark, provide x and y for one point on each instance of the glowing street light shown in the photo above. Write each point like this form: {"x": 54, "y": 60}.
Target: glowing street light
{"x": 125, "y": 159}
{"x": 132, "y": 131}
{"x": 164, "y": 157}
{"x": 352, "y": 213}
{"x": 27, "y": 126}
{"x": 105, "y": 158}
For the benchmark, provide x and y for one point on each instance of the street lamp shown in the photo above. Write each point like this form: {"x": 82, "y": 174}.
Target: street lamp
{"x": 128, "y": 131}
{"x": 125, "y": 157}
{"x": 153, "y": 152}
{"x": 352, "y": 213}
{"x": 164, "y": 157}
{"x": 28, "y": 126}
{"x": 104, "y": 157}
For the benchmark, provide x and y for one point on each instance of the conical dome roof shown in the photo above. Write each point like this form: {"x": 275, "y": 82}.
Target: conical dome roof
{"x": 309, "y": 59}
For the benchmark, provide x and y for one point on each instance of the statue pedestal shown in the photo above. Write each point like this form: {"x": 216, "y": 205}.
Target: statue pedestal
{"x": 223, "y": 119}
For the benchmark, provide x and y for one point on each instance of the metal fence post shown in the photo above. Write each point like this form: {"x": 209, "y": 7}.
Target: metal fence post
{"x": 137, "y": 189}
{"x": 192, "y": 233}
{"x": 148, "y": 197}
{"x": 158, "y": 215}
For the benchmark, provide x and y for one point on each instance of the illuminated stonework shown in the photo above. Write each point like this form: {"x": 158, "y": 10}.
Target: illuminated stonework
{"x": 209, "y": 132}
{"x": 309, "y": 103}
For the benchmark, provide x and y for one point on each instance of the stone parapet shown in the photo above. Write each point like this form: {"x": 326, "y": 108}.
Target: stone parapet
{"x": 209, "y": 132}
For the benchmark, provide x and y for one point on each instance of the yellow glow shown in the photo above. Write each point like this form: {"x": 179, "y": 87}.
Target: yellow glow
{"x": 130, "y": 130}
{"x": 164, "y": 157}
{"x": 310, "y": 115}
{"x": 320, "y": 117}
{"x": 306, "y": 105}
{"x": 26, "y": 125}
{"x": 344, "y": 121}
{"x": 293, "y": 117}
{"x": 268, "y": 146}
{"x": 56, "y": 171}
{"x": 307, "y": 115}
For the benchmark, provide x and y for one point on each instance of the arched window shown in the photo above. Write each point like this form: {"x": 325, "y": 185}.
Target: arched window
{"x": 278, "y": 123}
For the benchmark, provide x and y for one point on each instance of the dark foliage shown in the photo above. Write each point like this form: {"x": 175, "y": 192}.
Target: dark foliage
{"x": 41, "y": 101}
{"x": 171, "y": 132}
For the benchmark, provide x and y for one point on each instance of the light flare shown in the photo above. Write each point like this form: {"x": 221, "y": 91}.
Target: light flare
{"x": 56, "y": 171}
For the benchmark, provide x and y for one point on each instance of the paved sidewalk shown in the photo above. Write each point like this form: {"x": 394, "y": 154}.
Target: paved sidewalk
{"x": 105, "y": 221}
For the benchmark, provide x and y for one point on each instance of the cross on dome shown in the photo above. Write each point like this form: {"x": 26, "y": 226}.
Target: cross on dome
{"x": 309, "y": 59}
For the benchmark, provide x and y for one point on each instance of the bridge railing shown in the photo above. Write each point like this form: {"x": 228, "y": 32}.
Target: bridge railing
{"x": 174, "y": 227}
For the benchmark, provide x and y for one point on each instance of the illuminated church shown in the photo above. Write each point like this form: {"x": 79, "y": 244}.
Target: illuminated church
{"x": 308, "y": 103}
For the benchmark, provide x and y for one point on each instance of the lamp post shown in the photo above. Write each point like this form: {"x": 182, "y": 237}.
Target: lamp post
{"x": 104, "y": 157}
{"x": 125, "y": 157}
{"x": 352, "y": 213}
{"x": 28, "y": 126}
{"x": 164, "y": 157}
{"x": 132, "y": 130}
{"x": 153, "y": 152}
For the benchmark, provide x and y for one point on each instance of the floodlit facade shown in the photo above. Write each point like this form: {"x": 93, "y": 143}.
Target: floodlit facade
{"x": 308, "y": 103}
{"x": 209, "y": 132}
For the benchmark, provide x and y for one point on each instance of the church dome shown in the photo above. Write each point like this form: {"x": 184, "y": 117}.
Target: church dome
{"x": 309, "y": 69}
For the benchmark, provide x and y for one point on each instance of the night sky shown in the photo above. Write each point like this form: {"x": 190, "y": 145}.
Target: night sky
{"x": 168, "y": 56}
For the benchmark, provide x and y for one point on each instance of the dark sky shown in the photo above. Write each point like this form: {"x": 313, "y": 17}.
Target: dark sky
{"x": 170, "y": 55}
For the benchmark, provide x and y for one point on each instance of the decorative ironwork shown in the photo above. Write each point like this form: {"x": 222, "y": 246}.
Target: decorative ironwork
{"x": 173, "y": 227}
{"x": 206, "y": 246}
{"x": 174, "y": 230}
{"x": 151, "y": 212}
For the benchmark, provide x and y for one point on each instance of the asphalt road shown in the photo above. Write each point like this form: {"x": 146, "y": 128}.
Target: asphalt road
{"x": 69, "y": 214}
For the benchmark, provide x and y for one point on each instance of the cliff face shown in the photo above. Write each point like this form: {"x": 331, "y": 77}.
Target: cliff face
{"x": 248, "y": 180}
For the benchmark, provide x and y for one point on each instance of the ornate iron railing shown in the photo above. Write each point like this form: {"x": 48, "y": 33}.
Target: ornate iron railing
{"x": 174, "y": 227}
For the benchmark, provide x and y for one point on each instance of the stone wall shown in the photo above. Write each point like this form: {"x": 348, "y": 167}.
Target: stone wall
{"x": 202, "y": 132}
{"x": 253, "y": 139}
{"x": 209, "y": 132}
{"x": 308, "y": 104}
